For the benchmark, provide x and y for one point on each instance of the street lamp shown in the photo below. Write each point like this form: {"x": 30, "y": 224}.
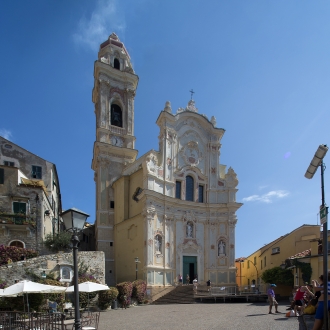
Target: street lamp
{"x": 74, "y": 221}
{"x": 136, "y": 266}
{"x": 312, "y": 168}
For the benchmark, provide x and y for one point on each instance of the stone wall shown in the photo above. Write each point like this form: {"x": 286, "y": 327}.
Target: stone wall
{"x": 93, "y": 261}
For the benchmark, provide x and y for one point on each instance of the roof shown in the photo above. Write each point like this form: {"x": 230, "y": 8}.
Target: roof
{"x": 34, "y": 183}
{"x": 302, "y": 254}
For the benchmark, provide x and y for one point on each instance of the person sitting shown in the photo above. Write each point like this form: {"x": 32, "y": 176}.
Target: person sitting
{"x": 299, "y": 299}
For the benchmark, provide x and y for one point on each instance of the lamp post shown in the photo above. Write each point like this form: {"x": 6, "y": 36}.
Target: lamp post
{"x": 136, "y": 267}
{"x": 312, "y": 168}
{"x": 74, "y": 221}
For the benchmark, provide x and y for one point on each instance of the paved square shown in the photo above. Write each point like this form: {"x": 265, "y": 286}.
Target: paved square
{"x": 251, "y": 316}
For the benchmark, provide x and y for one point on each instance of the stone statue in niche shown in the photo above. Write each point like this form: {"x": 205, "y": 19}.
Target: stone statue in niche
{"x": 189, "y": 229}
{"x": 158, "y": 244}
{"x": 221, "y": 248}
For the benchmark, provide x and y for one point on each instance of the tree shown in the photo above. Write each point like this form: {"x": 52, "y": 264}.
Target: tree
{"x": 278, "y": 275}
{"x": 59, "y": 242}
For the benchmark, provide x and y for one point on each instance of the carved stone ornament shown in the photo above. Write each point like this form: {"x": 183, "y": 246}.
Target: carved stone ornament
{"x": 189, "y": 216}
{"x": 191, "y": 106}
{"x": 104, "y": 161}
{"x": 213, "y": 121}
{"x": 168, "y": 107}
{"x": 231, "y": 178}
{"x": 191, "y": 154}
{"x": 152, "y": 164}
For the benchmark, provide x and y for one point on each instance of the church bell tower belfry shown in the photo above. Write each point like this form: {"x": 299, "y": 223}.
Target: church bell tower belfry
{"x": 115, "y": 83}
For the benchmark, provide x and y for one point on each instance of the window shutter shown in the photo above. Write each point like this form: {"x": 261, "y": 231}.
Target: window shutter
{"x": 2, "y": 176}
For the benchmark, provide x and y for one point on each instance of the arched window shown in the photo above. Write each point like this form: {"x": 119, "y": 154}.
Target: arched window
{"x": 17, "y": 244}
{"x": 116, "y": 115}
{"x": 189, "y": 188}
{"x": 116, "y": 64}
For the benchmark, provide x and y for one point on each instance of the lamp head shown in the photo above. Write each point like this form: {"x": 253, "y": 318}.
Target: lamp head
{"x": 74, "y": 219}
{"x": 316, "y": 161}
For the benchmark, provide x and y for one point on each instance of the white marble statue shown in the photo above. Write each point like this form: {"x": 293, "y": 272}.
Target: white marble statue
{"x": 222, "y": 248}
{"x": 189, "y": 230}
{"x": 158, "y": 243}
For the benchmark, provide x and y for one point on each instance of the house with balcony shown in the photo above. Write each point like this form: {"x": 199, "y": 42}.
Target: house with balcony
{"x": 281, "y": 252}
{"x": 30, "y": 198}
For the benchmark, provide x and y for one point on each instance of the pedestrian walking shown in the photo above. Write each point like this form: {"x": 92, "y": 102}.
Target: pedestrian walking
{"x": 208, "y": 284}
{"x": 195, "y": 283}
{"x": 271, "y": 299}
{"x": 187, "y": 279}
{"x": 180, "y": 279}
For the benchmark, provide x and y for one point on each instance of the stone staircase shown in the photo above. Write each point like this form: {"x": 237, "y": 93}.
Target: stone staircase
{"x": 180, "y": 295}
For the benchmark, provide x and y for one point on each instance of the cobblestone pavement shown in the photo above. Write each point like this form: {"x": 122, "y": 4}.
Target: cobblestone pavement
{"x": 251, "y": 316}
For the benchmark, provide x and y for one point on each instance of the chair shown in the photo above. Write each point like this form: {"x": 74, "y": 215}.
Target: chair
{"x": 90, "y": 321}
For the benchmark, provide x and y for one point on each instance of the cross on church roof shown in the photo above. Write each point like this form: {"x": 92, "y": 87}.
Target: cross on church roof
{"x": 192, "y": 92}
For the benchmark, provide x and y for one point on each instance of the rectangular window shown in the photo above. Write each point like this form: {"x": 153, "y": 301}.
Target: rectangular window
{"x": 2, "y": 176}
{"x": 19, "y": 208}
{"x": 178, "y": 189}
{"x": 36, "y": 172}
{"x": 111, "y": 243}
{"x": 6, "y": 163}
{"x": 248, "y": 264}
{"x": 112, "y": 204}
{"x": 265, "y": 261}
{"x": 255, "y": 260}
{"x": 260, "y": 264}
{"x": 275, "y": 250}
{"x": 200, "y": 194}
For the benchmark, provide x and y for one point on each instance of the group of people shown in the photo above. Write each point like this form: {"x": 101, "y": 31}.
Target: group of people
{"x": 195, "y": 281}
{"x": 307, "y": 299}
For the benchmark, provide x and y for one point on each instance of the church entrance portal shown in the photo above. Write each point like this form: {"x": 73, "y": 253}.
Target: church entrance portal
{"x": 189, "y": 267}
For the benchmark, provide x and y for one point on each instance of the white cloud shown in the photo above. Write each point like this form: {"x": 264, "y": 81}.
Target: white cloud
{"x": 5, "y": 133}
{"x": 104, "y": 20}
{"x": 267, "y": 198}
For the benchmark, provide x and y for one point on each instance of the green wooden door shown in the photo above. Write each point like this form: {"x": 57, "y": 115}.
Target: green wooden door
{"x": 190, "y": 268}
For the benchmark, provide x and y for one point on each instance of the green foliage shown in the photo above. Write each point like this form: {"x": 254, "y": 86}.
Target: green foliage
{"x": 59, "y": 242}
{"x": 36, "y": 300}
{"x": 306, "y": 269}
{"x": 84, "y": 296}
{"x": 278, "y": 275}
{"x": 139, "y": 290}
{"x": 106, "y": 297}
{"x": 13, "y": 254}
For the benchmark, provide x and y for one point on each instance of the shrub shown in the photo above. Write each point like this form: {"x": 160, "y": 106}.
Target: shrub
{"x": 13, "y": 254}
{"x": 124, "y": 289}
{"x": 3, "y": 284}
{"x": 106, "y": 297}
{"x": 139, "y": 290}
{"x": 59, "y": 242}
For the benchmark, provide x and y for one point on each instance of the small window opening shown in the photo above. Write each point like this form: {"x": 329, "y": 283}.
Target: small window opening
{"x": 116, "y": 64}
{"x": 116, "y": 115}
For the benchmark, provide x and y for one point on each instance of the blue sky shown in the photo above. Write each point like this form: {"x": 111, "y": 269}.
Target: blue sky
{"x": 261, "y": 68}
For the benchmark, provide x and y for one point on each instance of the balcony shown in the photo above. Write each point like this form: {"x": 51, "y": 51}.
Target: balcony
{"x": 17, "y": 219}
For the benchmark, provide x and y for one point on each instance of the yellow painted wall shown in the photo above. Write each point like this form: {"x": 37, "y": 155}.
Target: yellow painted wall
{"x": 129, "y": 228}
{"x": 295, "y": 242}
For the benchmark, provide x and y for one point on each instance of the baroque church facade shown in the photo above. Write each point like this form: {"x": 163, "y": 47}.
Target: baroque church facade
{"x": 170, "y": 212}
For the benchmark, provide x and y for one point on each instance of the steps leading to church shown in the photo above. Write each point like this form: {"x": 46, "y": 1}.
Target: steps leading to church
{"x": 180, "y": 295}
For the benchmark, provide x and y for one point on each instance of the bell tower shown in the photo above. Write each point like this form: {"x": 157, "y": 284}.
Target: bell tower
{"x": 115, "y": 83}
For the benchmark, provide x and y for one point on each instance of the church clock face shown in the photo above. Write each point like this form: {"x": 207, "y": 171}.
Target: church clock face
{"x": 116, "y": 141}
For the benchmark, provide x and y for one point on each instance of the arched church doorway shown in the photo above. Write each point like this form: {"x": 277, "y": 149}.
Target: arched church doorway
{"x": 189, "y": 267}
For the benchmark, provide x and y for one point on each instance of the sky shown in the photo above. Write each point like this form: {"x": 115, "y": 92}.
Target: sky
{"x": 262, "y": 68}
